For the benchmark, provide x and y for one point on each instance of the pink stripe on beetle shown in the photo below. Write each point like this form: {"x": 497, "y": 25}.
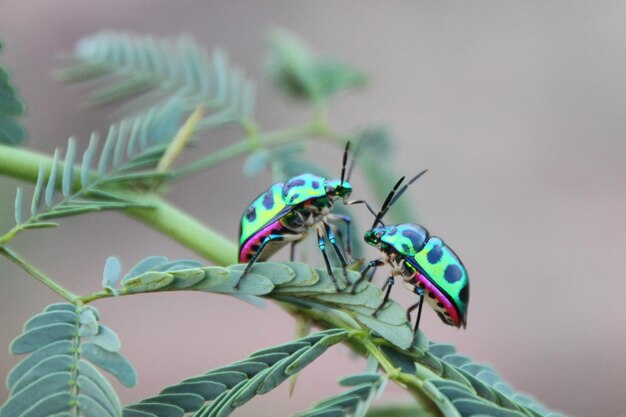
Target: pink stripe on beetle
{"x": 454, "y": 315}
{"x": 257, "y": 240}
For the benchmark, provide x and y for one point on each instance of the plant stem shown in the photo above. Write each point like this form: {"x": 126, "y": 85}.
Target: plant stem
{"x": 244, "y": 146}
{"x": 40, "y": 276}
{"x": 185, "y": 229}
{"x": 162, "y": 216}
{"x": 180, "y": 140}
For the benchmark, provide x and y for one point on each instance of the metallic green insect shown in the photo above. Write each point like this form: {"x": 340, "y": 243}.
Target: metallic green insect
{"x": 286, "y": 211}
{"x": 427, "y": 266}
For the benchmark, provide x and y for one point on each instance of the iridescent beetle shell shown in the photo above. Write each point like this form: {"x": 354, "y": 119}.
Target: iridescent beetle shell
{"x": 274, "y": 211}
{"x": 262, "y": 217}
{"x": 427, "y": 263}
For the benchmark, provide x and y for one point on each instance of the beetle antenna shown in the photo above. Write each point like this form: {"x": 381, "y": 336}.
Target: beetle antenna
{"x": 345, "y": 160}
{"x": 354, "y": 155}
{"x": 385, "y": 205}
{"x": 399, "y": 193}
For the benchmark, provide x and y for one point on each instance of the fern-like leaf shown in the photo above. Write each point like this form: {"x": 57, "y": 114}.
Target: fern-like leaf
{"x": 11, "y": 107}
{"x": 462, "y": 386}
{"x": 145, "y": 70}
{"x": 220, "y": 391}
{"x": 291, "y": 282}
{"x": 470, "y": 387}
{"x": 353, "y": 402}
{"x": 58, "y": 376}
{"x": 130, "y": 153}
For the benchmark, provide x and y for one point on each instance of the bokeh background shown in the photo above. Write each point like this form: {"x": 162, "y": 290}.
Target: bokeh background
{"x": 517, "y": 108}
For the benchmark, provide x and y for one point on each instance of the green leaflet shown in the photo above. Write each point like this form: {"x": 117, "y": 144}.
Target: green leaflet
{"x": 105, "y": 338}
{"x": 41, "y": 336}
{"x": 111, "y": 272}
{"x": 149, "y": 281}
{"x": 157, "y": 408}
{"x": 50, "y": 317}
{"x": 224, "y": 389}
{"x": 185, "y": 401}
{"x": 112, "y": 362}
{"x": 61, "y": 347}
{"x": 289, "y": 281}
{"x": 352, "y": 402}
{"x": 42, "y": 384}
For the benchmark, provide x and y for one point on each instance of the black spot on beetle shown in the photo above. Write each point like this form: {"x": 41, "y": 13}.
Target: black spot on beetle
{"x": 442, "y": 317}
{"x": 248, "y": 256}
{"x": 293, "y": 183}
{"x": 251, "y": 213}
{"x": 431, "y": 294}
{"x": 452, "y": 273}
{"x": 315, "y": 185}
{"x": 440, "y": 304}
{"x": 405, "y": 248}
{"x": 254, "y": 248}
{"x": 268, "y": 200}
{"x": 464, "y": 294}
{"x": 417, "y": 239}
{"x": 422, "y": 285}
{"x": 434, "y": 255}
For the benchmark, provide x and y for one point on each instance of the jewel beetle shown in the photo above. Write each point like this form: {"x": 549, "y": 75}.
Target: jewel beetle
{"x": 427, "y": 266}
{"x": 287, "y": 210}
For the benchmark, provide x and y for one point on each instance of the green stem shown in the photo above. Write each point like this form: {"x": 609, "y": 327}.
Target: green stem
{"x": 10, "y": 234}
{"x": 185, "y": 229}
{"x": 40, "y": 276}
{"x": 162, "y": 216}
{"x": 244, "y": 146}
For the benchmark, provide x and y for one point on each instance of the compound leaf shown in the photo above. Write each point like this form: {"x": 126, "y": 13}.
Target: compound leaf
{"x": 56, "y": 375}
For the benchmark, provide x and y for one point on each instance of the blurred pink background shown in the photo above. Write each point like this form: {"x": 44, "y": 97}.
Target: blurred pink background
{"x": 517, "y": 109}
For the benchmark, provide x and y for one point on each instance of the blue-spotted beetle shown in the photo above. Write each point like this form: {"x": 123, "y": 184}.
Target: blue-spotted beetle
{"x": 427, "y": 266}
{"x": 287, "y": 210}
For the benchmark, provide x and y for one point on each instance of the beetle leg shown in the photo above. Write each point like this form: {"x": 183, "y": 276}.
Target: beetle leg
{"x": 342, "y": 260}
{"x": 322, "y": 246}
{"x": 390, "y": 281}
{"x": 348, "y": 221}
{"x": 420, "y": 292}
{"x": 268, "y": 239}
{"x": 373, "y": 265}
{"x": 292, "y": 251}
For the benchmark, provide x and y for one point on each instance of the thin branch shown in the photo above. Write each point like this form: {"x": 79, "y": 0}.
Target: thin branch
{"x": 244, "y": 146}
{"x": 40, "y": 276}
{"x": 180, "y": 140}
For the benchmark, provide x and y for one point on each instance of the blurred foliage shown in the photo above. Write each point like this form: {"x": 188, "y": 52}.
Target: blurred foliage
{"x": 11, "y": 107}
{"x": 298, "y": 72}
